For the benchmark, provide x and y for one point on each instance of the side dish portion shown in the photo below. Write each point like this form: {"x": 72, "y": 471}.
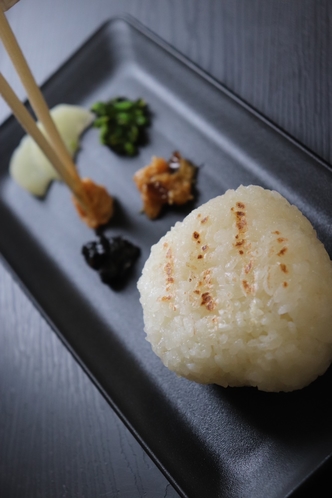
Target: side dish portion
{"x": 112, "y": 257}
{"x": 29, "y": 167}
{"x": 122, "y": 123}
{"x": 165, "y": 182}
{"x": 240, "y": 293}
{"x": 99, "y": 201}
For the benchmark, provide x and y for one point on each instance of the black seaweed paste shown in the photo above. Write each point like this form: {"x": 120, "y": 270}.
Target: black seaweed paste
{"x": 112, "y": 258}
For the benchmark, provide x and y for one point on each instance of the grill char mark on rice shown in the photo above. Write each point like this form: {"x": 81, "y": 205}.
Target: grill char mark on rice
{"x": 169, "y": 273}
{"x": 241, "y": 225}
{"x": 243, "y": 246}
{"x": 201, "y": 295}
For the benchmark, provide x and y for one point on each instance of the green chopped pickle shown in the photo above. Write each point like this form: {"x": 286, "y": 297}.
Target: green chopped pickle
{"x": 122, "y": 124}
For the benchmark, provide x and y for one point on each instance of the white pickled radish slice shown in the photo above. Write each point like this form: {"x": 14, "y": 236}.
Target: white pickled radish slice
{"x": 71, "y": 121}
{"x": 29, "y": 167}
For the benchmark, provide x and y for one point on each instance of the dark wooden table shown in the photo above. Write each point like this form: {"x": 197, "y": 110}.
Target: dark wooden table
{"x": 58, "y": 436}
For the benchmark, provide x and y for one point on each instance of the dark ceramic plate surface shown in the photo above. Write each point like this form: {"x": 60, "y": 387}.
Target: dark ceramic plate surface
{"x": 209, "y": 441}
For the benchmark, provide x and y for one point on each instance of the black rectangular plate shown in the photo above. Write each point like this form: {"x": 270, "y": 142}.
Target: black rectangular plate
{"x": 209, "y": 441}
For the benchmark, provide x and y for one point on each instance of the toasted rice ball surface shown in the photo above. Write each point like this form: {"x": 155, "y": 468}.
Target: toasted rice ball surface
{"x": 240, "y": 294}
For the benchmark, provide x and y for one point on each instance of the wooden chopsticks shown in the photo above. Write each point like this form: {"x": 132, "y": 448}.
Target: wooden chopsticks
{"x": 53, "y": 147}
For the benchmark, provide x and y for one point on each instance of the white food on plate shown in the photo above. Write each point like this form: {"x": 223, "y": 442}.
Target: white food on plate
{"x": 29, "y": 167}
{"x": 240, "y": 294}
